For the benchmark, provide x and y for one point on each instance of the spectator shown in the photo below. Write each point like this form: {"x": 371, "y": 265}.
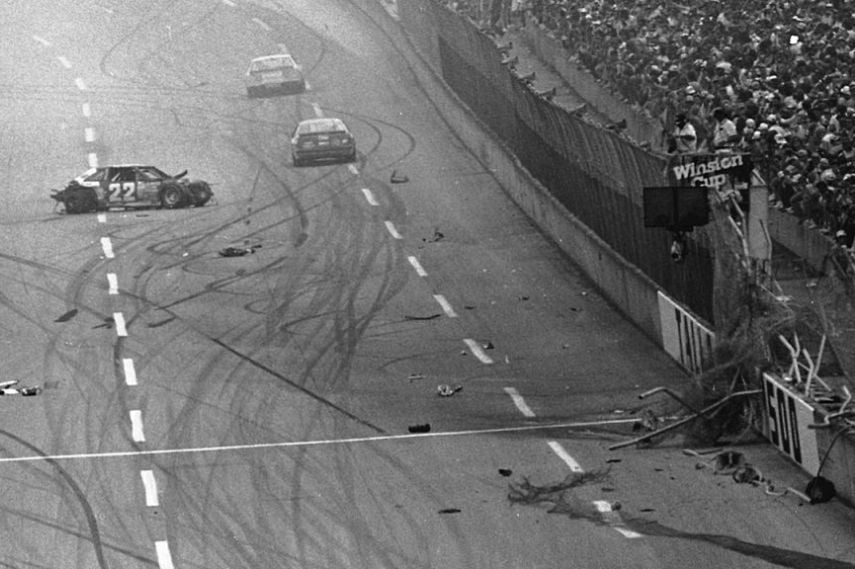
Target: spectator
{"x": 685, "y": 139}
{"x": 724, "y": 136}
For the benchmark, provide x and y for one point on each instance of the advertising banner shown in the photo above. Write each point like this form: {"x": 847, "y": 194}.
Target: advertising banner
{"x": 717, "y": 171}
{"x": 787, "y": 420}
{"x": 684, "y": 337}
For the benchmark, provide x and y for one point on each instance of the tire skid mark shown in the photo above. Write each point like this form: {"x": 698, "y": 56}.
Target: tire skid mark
{"x": 92, "y": 522}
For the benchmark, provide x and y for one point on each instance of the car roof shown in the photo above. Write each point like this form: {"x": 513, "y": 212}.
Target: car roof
{"x": 323, "y": 124}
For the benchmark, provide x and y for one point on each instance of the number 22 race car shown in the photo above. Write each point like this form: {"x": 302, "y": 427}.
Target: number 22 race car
{"x": 131, "y": 186}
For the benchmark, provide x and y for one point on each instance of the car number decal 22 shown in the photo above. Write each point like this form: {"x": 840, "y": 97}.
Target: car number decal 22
{"x": 121, "y": 191}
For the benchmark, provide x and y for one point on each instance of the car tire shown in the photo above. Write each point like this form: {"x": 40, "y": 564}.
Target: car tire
{"x": 297, "y": 161}
{"x": 352, "y": 157}
{"x": 172, "y": 196}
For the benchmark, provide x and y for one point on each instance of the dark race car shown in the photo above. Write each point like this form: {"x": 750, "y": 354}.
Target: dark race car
{"x": 322, "y": 139}
{"x": 274, "y": 74}
{"x": 131, "y": 186}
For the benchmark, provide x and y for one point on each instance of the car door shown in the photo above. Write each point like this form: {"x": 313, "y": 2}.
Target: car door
{"x": 122, "y": 186}
{"x": 148, "y": 185}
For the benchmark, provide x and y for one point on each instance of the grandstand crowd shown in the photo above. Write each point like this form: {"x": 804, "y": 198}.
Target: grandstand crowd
{"x": 773, "y": 78}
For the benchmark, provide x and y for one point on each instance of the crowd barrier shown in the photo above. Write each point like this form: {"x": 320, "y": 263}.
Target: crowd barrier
{"x": 790, "y": 416}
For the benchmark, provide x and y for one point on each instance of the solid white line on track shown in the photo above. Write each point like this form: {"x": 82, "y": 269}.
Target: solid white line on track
{"x": 565, "y": 456}
{"x": 42, "y": 41}
{"x": 478, "y": 351}
{"x": 150, "y": 485}
{"x": 369, "y": 197}
{"x": 80, "y": 83}
{"x": 113, "y": 281}
{"x": 137, "y": 433}
{"x": 119, "y": 319}
{"x": 64, "y": 61}
{"x": 519, "y": 402}
{"x": 93, "y": 160}
{"x": 392, "y": 231}
{"x": 107, "y": 247}
{"x": 417, "y": 266}
{"x": 316, "y": 443}
{"x": 446, "y": 306}
{"x": 130, "y": 371}
{"x": 164, "y": 557}
{"x": 261, "y": 23}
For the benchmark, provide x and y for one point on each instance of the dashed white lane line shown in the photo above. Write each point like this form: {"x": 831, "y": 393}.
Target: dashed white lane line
{"x": 64, "y": 61}
{"x": 261, "y": 24}
{"x": 107, "y": 247}
{"x": 81, "y": 84}
{"x": 164, "y": 557}
{"x": 390, "y": 227}
{"x": 89, "y": 134}
{"x": 417, "y": 266}
{"x": 369, "y": 197}
{"x": 446, "y": 306}
{"x": 93, "y": 160}
{"x": 229, "y": 3}
{"x": 130, "y": 371}
{"x": 42, "y": 41}
{"x": 565, "y": 456}
{"x": 119, "y": 319}
{"x": 113, "y": 281}
{"x": 87, "y": 110}
{"x": 150, "y": 486}
{"x": 353, "y": 169}
{"x": 102, "y": 217}
{"x": 613, "y": 519}
{"x": 519, "y": 402}
{"x": 478, "y": 351}
{"x": 316, "y": 108}
{"x": 137, "y": 432}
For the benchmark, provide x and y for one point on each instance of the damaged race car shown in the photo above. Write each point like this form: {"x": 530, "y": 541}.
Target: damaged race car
{"x": 131, "y": 186}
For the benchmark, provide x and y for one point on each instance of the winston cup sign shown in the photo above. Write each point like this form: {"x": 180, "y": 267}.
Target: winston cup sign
{"x": 710, "y": 170}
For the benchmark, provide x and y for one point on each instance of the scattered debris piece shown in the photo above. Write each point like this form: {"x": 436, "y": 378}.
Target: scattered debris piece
{"x": 647, "y": 421}
{"x": 238, "y": 251}
{"x": 728, "y": 461}
{"x": 445, "y": 390}
{"x": 488, "y": 346}
{"x": 415, "y": 376}
{"x": 431, "y": 317}
{"x": 8, "y": 388}
{"x": 67, "y": 316}
{"x": 505, "y": 472}
{"x": 51, "y": 385}
{"x": 437, "y": 236}
{"x": 396, "y": 178}
{"x": 747, "y": 474}
{"x": 647, "y": 510}
{"x": 613, "y": 460}
{"x": 607, "y": 489}
{"x": 468, "y": 307}
{"x": 820, "y": 489}
{"x": 425, "y": 428}
{"x": 450, "y": 511}
{"x": 523, "y": 297}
